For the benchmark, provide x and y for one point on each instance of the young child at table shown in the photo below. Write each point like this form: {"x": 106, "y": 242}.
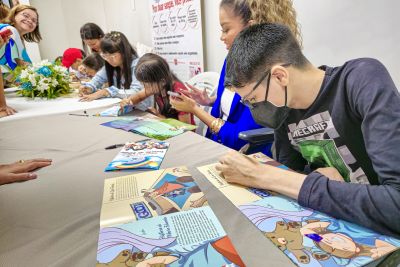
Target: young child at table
{"x": 72, "y": 60}
{"x": 92, "y": 64}
{"x": 118, "y": 71}
{"x": 158, "y": 80}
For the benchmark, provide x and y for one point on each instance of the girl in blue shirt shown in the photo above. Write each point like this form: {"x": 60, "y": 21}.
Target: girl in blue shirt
{"x": 120, "y": 60}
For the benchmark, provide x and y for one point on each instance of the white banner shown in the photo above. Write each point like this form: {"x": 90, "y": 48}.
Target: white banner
{"x": 177, "y": 35}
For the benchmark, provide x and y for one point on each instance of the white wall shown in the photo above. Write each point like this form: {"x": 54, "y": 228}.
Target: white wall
{"x": 61, "y": 20}
{"x": 215, "y": 51}
{"x": 135, "y": 24}
{"x": 334, "y": 31}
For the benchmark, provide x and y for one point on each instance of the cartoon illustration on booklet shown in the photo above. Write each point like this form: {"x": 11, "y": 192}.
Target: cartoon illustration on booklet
{"x": 139, "y": 155}
{"x": 307, "y": 237}
{"x": 187, "y": 238}
{"x": 157, "y": 129}
{"x": 150, "y": 194}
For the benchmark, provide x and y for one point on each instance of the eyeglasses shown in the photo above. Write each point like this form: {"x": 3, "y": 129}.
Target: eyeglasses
{"x": 33, "y": 20}
{"x": 107, "y": 56}
{"x": 249, "y": 103}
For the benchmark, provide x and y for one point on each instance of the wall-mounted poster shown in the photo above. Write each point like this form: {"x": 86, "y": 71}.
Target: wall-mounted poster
{"x": 177, "y": 35}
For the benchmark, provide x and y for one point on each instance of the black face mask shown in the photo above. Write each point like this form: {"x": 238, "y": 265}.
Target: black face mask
{"x": 268, "y": 115}
{"x": 265, "y": 113}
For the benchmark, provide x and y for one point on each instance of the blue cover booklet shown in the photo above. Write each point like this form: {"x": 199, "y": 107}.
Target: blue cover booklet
{"x": 139, "y": 155}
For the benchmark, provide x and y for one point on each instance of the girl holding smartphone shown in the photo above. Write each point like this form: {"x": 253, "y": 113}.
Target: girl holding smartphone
{"x": 153, "y": 72}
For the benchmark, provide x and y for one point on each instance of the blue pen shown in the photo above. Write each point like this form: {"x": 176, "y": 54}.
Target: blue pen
{"x": 315, "y": 237}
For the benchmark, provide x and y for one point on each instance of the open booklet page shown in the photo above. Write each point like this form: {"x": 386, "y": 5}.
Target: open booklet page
{"x": 187, "y": 238}
{"x": 307, "y": 237}
{"x": 150, "y": 194}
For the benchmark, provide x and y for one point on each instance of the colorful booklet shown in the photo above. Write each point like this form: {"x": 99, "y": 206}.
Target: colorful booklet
{"x": 160, "y": 218}
{"x": 150, "y": 194}
{"x": 115, "y": 111}
{"x": 179, "y": 125}
{"x": 157, "y": 129}
{"x": 139, "y": 155}
{"x": 187, "y": 238}
{"x": 307, "y": 237}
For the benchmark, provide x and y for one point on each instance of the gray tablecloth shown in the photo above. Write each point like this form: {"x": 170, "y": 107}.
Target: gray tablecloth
{"x": 54, "y": 220}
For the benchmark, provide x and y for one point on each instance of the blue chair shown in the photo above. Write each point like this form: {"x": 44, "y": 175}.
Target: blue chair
{"x": 256, "y": 139}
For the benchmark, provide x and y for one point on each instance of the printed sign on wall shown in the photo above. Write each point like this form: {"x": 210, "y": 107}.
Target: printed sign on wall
{"x": 177, "y": 35}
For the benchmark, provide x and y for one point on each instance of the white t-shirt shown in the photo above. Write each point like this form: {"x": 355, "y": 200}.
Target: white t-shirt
{"x": 226, "y": 103}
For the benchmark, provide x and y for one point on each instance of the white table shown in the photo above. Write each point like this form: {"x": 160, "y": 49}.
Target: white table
{"x": 54, "y": 220}
{"x": 28, "y": 107}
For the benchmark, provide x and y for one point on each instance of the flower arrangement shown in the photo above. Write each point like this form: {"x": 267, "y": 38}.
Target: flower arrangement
{"x": 44, "y": 79}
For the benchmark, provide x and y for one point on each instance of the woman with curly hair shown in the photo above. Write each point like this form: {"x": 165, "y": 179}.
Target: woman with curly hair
{"x": 229, "y": 116}
{"x": 275, "y": 11}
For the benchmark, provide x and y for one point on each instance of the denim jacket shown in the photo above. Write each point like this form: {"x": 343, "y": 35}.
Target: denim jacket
{"x": 101, "y": 78}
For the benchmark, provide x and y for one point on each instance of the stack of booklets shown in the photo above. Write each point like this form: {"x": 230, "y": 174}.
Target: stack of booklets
{"x": 145, "y": 154}
{"x": 157, "y": 129}
{"x": 160, "y": 218}
{"x": 307, "y": 237}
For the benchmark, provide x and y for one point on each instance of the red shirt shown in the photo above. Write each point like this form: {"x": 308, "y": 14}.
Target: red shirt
{"x": 176, "y": 87}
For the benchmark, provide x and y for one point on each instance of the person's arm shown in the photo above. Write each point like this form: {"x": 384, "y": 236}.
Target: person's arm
{"x": 21, "y": 170}
{"x": 134, "y": 99}
{"x": 241, "y": 169}
{"x": 4, "y": 109}
{"x": 188, "y": 105}
{"x": 228, "y": 134}
{"x": 95, "y": 84}
{"x": 374, "y": 98}
{"x": 96, "y": 95}
{"x": 200, "y": 96}
{"x": 135, "y": 87}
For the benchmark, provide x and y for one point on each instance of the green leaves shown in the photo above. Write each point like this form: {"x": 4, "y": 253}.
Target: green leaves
{"x": 45, "y": 80}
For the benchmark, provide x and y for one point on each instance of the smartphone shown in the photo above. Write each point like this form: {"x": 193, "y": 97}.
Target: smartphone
{"x": 173, "y": 94}
{"x": 4, "y": 34}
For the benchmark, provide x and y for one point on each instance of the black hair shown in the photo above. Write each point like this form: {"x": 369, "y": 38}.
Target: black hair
{"x": 258, "y": 48}
{"x": 93, "y": 61}
{"x": 58, "y": 60}
{"x": 240, "y": 8}
{"x": 83, "y": 53}
{"x": 114, "y": 42}
{"x": 90, "y": 31}
{"x": 152, "y": 68}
